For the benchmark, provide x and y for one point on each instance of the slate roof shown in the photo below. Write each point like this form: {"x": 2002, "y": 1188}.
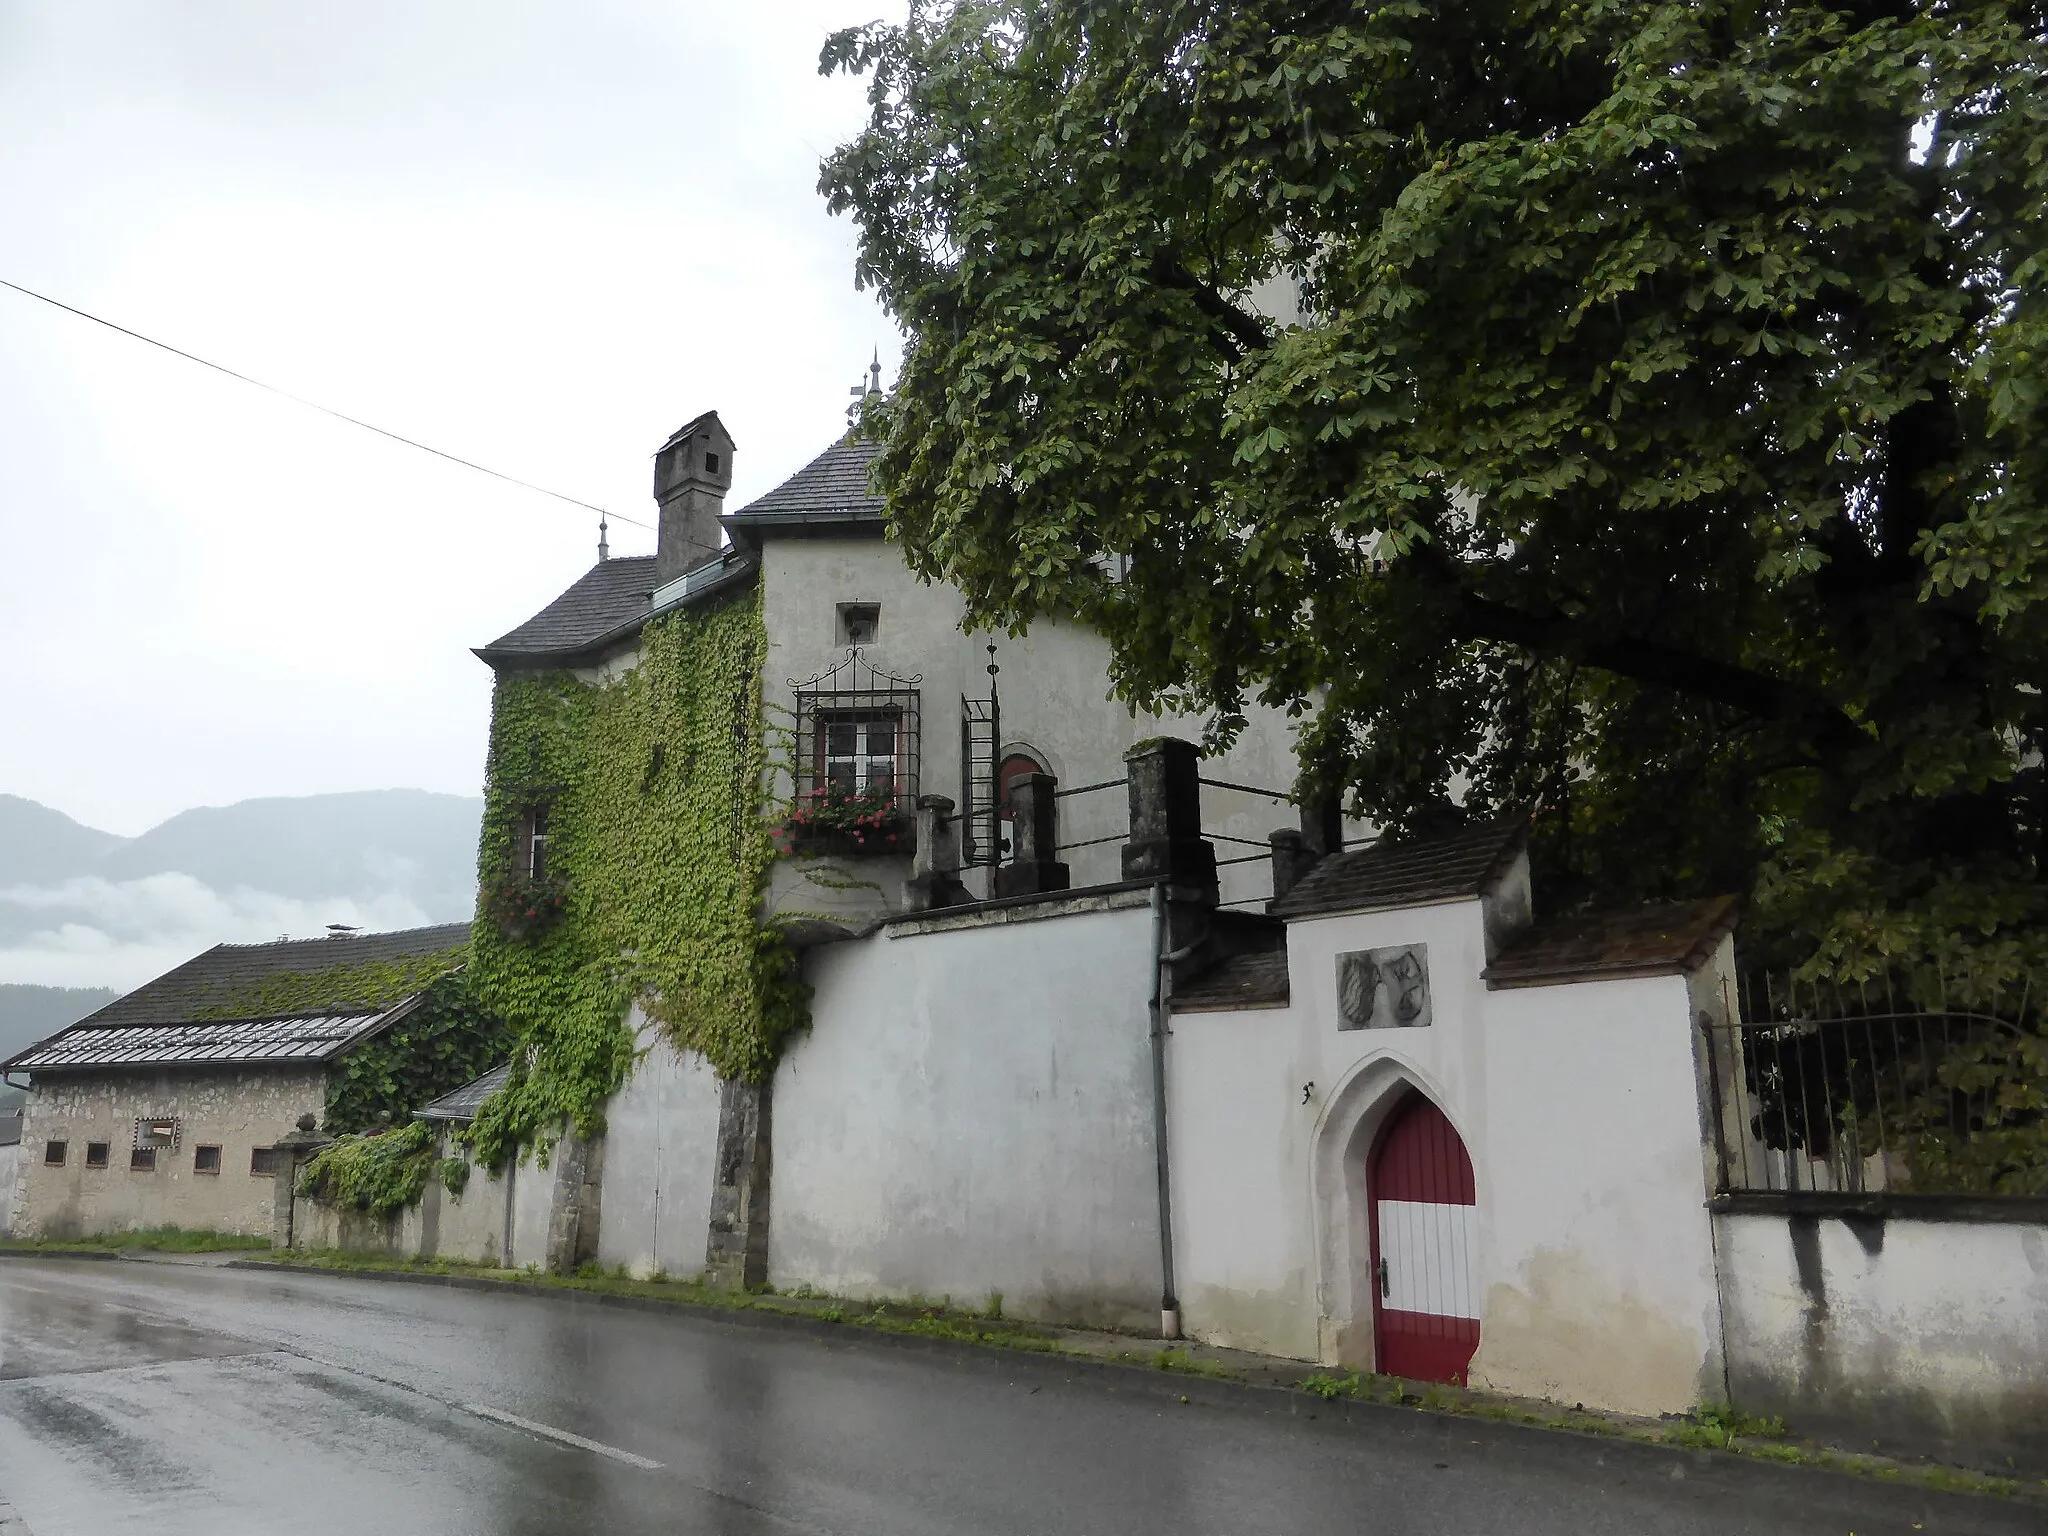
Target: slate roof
{"x": 165, "y": 1020}
{"x": 608, "y": 598}
{"x": 1649, "y": 941}
{"x": 610, "y": 601}
{"x": 1388, "y": 874}
{"x": 464, "y": 1102}
{"x": 1255, "y": 980}
{"x": 833, "y": 487}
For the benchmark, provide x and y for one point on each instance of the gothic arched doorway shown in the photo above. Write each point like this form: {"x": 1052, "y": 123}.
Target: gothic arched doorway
{"x": 1423, "y": 1213}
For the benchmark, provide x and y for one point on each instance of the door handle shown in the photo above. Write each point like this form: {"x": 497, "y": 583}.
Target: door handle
{"x": 1386, "y": 1285}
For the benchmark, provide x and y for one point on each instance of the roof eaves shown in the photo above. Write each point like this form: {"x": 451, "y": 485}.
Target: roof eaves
{"x": 593, "y": 650}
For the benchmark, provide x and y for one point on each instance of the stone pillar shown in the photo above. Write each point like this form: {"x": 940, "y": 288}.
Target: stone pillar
{"x": 935, "y": 863}
{"x": 1166, "y": 841}
{"x": 1322, "y": 827}
{"x": 1291, "y": 859}
{"x": 736, "y": 1250}
{"x": 288, "y": 1155}
{"x": 575, "y": 1209}
{"x": 1034, "y": 839}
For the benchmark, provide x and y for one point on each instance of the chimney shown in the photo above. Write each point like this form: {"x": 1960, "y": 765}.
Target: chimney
{"x": 692, "y": 473}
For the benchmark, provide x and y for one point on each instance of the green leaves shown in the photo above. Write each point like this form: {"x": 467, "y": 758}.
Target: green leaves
{"x": 448, "y": 1040}
{"x": 1665, "y": 398}
{"x": 658, "y": 838}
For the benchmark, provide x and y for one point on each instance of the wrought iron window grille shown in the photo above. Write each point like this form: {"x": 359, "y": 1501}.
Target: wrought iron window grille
{"x": 859, "y": 728}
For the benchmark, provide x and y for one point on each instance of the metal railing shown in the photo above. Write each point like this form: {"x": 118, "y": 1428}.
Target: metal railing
{"x": 1865, "y": 1089}
{"x": 1122, "y": 823}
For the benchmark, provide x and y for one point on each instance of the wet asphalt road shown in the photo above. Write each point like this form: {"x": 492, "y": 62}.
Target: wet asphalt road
{"x": 171, "y": 1400}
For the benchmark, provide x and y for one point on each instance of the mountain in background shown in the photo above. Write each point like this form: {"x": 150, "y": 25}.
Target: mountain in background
{"x": 38, "y": 844}
{"x": 85, "y": 908}
{"x": 28, "y": 1013}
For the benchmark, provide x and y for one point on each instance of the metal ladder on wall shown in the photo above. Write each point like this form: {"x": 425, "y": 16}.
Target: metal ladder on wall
{"x": 981, "y": 739}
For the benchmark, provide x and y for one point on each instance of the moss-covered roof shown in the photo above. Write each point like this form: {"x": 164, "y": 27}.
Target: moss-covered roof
{"x": 349, "y": 973}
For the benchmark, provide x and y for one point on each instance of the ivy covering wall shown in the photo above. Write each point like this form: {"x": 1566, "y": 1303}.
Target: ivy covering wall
{"x": 448, "y": 1040}
{"x": 658, "y": 850}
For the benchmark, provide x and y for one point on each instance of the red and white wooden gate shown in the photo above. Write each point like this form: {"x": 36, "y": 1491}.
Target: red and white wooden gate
{"x": 1425, "y": 1246}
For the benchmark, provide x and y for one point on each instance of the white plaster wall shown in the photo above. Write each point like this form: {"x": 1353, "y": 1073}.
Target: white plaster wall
{"x": 10, "y": 1170}
{"x": 1602, "y": 1284}
{"x": 533, "y": 1202}
{"x": 317, "y": 1224}
{"x": 1578, "y": 1107}
{"x": 661, "y": 1152}
{"x": 470, "y": 1226}
{"x": 1054, "y": 687}
{"x": 1932, "y": 1335}
{"x": 971, "y": 1112}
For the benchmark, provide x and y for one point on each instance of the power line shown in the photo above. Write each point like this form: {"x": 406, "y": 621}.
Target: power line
{"x": 326, "y": 410}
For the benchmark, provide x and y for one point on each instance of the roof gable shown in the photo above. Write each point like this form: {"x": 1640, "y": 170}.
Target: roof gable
{"x": 1411, "y": 873}
{"x": 833, "y": 487}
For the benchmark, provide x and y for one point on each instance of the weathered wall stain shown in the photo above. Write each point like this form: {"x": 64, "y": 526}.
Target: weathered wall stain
{"x": 1563, "y": 1332}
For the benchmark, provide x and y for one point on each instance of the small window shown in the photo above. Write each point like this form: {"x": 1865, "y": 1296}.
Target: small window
{"x": 531, "y": 852}
{"x": 710, "y": 463}
{"x": 142, "y": 1160}
{"x": 53, "y": 1153}
{"x": 262, "y": 1162}
{"x": 96, "y": 1154}
{"x": 859, "y": 623}
{"x": 860, "y": 748}
{"x": 206, "y": 1159}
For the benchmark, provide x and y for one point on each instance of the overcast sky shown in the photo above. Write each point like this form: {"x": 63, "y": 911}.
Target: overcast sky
{"x": 539, "y": 236}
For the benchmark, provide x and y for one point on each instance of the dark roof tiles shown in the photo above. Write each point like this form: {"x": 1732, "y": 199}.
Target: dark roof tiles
{"x": 1649, "y": 941}
{"x": 607, "y": 597}
{"x": 1255, "y": 980}
{"x": 1388, "y": 874}
{"x": 224, "y": 1005}
{"x": 203, "y": 985}
{"x": 833, "y": 485}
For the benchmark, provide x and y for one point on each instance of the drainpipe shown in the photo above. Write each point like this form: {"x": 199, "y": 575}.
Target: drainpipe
{"x": 1169, "y": 1303}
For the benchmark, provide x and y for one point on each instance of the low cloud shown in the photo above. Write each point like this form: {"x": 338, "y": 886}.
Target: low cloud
{"x": 93, "y": 932}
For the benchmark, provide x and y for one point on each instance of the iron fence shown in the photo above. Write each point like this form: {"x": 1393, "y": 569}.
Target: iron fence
{"x": 1868, "y": 1088}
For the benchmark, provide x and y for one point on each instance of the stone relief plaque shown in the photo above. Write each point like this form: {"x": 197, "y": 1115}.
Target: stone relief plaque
{"x": 1384, "y": 988}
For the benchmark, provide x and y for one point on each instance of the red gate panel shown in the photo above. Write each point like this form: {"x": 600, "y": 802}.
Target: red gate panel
{"x": 1423, "y": 1208}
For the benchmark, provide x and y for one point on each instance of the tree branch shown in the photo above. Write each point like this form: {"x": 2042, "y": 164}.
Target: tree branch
{"x": 1641, "y": 658}
{"x": 1240, "y": 333}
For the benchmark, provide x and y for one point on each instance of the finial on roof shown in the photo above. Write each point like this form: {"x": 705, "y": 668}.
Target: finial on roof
{"x": 875, "y": 373}
{"x": 604, "y": 549}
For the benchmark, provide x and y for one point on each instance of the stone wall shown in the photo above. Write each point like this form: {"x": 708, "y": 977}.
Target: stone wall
{"x": 500, "y": 1218}
{"x": 237, "y": 1109}
{"x": 10, "y": 1168}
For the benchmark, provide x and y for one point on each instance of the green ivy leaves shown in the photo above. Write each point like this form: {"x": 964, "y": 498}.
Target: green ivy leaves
{"x": 654, "y": 787}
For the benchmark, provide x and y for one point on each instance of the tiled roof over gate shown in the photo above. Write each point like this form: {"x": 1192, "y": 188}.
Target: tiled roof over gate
{"x": 1648, "y": 941}
{"x": 1388, "y": 874}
